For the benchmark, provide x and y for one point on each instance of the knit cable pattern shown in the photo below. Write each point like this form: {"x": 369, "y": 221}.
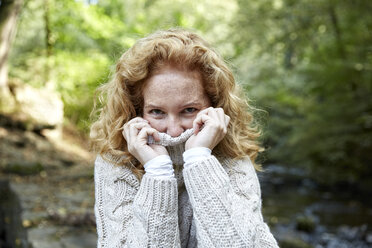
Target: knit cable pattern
{"x": 212, "y": 203}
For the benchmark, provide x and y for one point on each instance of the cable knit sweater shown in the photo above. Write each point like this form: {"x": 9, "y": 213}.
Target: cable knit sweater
{"x": 214, "y": 202}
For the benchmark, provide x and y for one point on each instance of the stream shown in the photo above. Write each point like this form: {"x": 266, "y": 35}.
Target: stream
{"x": 302, "y": 214}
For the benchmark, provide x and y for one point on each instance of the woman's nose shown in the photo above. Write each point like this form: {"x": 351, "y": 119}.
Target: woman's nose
{"x": 174, "y": 127}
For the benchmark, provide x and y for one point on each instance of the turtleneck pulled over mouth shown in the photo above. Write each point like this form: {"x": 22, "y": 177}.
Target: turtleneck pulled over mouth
{"x": 167, "y": 140}
{"x": 174, "y": 145}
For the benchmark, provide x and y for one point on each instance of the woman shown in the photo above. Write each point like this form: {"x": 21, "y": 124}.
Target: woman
{"x": 175, "y": 143}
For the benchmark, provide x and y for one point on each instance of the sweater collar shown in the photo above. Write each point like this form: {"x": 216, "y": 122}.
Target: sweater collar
{"x": 174, "y": 145}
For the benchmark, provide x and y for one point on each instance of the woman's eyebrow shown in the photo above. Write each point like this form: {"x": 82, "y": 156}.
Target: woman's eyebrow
{"x": 193, "y": 103}
{"x": 187, "y": 104}
{"x": 151, "y": 106}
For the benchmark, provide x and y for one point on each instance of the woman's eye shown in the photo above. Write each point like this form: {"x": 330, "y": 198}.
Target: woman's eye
{"x": 156, "y": 112}
{"x": 189, "y": 110}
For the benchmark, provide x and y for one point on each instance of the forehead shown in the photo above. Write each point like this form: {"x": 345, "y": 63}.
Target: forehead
{"x": 173, "y": 86}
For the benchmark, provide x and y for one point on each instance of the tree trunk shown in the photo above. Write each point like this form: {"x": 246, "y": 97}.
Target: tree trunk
{"x": 337, "y": 30}
{"x": 48, "y": 41}
{"x": 9, "y": 11}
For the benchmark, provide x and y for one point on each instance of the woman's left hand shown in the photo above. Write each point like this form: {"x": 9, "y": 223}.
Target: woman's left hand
{"x": 210, "y": 127}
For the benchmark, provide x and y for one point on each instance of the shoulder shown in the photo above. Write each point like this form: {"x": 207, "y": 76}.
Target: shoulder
{"x": 242, "y": 174}
{"x": 241, "y": 165}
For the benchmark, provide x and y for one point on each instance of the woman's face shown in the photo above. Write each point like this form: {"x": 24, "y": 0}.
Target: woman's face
{"x": 172, "y": 99}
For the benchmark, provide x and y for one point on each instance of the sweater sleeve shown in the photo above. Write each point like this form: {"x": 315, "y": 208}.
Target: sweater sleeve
{"x": 130, "y": 213}
{"x": 227, "y": 206}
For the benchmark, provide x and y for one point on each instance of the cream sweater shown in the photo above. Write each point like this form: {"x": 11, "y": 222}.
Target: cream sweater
{"x": 214, "y": 202}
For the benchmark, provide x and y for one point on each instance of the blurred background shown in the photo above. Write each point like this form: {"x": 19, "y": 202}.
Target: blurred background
{"x": 307, "y": 65}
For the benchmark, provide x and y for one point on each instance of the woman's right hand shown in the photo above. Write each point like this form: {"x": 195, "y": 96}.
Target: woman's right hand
{"x": 135, "y": 132}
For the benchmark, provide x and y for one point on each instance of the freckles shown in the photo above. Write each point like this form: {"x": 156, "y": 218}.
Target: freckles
{"x": 159, "y": 125}
{"x": 188, "y": 122}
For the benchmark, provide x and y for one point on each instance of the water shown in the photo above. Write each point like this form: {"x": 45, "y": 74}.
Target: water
{"x": 297, "y": 208}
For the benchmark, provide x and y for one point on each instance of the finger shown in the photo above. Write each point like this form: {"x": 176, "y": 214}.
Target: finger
{"x": 141, "y": 125}
{"x": 136, "y": 120}
{"x": 156, "y": 136}
{"x": 221, "y": 114}
{"x": 204, "y": 111}
{"x": 126, "y": 131}
{"x": 127, "y": 134}
{"x": 199, "y": 122}
{"x": 136, "y": 127}
{"x": 146, "y": 131}
{"x": 132, "y": 128}
{"x": 227, "y": 120}
{"x": 218, "y": 117}
{"x": 214, "y": 114}
{"x": 200, "y": 113}
{"x": 224, "y": 119}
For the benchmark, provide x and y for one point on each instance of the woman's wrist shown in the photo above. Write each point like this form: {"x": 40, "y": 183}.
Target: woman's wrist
{"x": 160, "y": 166}
{"x": 195, "y": 154}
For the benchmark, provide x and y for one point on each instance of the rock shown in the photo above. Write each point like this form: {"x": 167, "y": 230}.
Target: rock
{"x": 348, "y": 233}
{"x": 335, "y": 243}
{"x": 42, "y": 108}
{"x": 305, "y": 223}
{"x": 294, "y": 243}
{"x": 352, "y": 233}
{"x": 11, "y": 229}
{"x": 80, "y": 239}
{"x": 44, "y": 237}
{"x": 50, "y": 236}
{"x": 78, "y": 220}
{"x": 35, "y": 109}
{"x": 24, "y": 168}
{"x": 58, "y": 202}
{"x": 7, "y": 101}
{"x": 26, "y": 108}
{"x": 369, "y": 238}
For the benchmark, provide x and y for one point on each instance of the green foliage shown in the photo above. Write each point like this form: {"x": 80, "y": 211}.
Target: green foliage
{"x": 77, "y": 78}
{"x": 311, "y": 68}
{"x": 81, "y": 38}
{"x": 86, "y": 39}
{"x": 308, "y": 63}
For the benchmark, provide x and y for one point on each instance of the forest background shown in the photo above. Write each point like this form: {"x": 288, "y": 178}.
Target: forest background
{"x": 306, "y": 64}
